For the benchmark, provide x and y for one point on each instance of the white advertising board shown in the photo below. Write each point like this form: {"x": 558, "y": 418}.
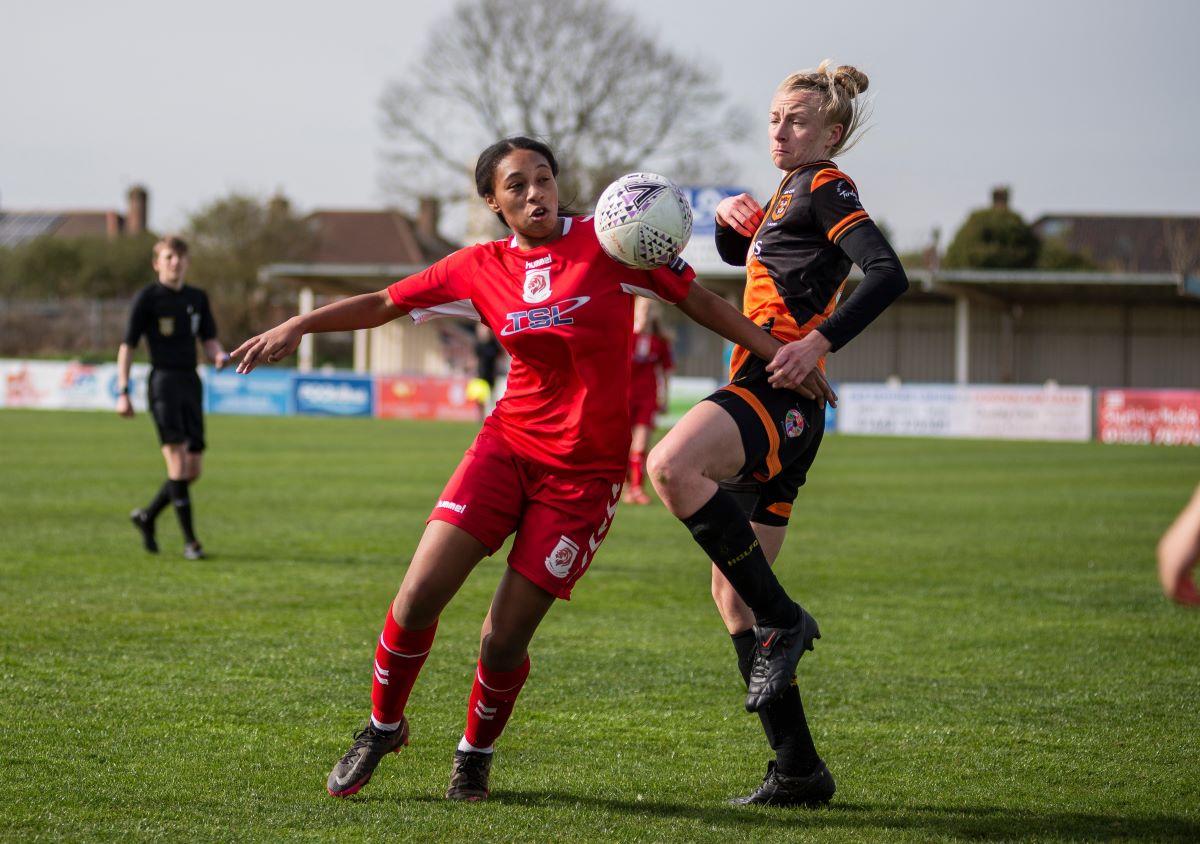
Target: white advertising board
{"x": 67, "y": 385}
{"x": 982, "y": 411}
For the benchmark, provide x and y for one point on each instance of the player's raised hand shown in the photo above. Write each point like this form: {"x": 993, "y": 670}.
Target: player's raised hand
{"x": 742, "y": 213}
{"x": 268, "y": 347}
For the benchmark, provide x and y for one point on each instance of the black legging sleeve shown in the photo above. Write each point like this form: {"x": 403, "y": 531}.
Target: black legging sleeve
{"x": 731, "y": 246}
{"x": 883, "y": 283}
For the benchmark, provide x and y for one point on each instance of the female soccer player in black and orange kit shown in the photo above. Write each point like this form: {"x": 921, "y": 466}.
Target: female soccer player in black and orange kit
{"x": 549, "y": 461}
{"x": 731, "y": 468}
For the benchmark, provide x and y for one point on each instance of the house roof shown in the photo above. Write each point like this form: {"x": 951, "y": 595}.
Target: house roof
{"x": 18, "y": 227}
{"x": 1130, "y": 244}
{"x": 373, "y": 237}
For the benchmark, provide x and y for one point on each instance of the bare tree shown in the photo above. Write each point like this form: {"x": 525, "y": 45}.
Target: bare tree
{"x": 580, "y": 74}
{"x": 1181, "y": 244}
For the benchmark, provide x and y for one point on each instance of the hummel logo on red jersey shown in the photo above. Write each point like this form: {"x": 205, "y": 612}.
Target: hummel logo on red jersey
{"x": 540, "y": 262}
{"x": 536, "y": 318}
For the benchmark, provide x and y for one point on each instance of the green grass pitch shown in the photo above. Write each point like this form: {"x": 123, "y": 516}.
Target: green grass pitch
{"x": 998, "y": 663}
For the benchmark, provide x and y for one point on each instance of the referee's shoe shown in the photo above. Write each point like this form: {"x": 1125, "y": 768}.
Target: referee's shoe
{"x": 145, "y": 525}
{"x": 776, "y": 653}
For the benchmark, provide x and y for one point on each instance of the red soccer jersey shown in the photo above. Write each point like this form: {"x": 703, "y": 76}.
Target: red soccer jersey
{"x": 651, "y": 361}
{"x": 564, "y": 313}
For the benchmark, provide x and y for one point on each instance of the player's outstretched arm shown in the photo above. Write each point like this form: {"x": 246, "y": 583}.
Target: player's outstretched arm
{"x": 369, "y": 310}
{"x": 1178, "y": 552}
{"x": 717, "y": 315}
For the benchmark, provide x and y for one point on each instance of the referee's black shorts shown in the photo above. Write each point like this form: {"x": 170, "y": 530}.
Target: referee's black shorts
{"x": 176, "y": 402}
{"x": 781, "y": 433}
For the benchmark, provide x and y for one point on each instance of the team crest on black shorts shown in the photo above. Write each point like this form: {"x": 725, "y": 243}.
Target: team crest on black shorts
{"x": 562, "y": 558}
{"x": 794, "y": 423}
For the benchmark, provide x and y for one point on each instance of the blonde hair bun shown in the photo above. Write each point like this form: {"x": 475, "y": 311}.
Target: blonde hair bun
{"x": 852, "y": 79}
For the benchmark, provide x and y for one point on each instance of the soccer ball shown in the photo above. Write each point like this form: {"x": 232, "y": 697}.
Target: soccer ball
{"x": 643, "y": 221}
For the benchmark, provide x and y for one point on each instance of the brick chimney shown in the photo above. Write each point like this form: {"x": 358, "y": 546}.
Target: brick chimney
{"x": 112, "y": 225}
{"x": 1000, "y": 198}
{"x": 428, "y": 211}
{"x": 139, "y": 201}
{"x": 279, "y": 206}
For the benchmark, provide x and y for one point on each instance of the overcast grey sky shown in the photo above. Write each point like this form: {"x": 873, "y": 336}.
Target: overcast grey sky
{"x": 1078, "y": 105}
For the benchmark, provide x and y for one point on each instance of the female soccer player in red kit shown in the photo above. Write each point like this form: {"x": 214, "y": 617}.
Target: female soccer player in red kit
{"x": 732, "y": 467}
{"x": 647, "y": 392}
{"x": 547, "y": 464}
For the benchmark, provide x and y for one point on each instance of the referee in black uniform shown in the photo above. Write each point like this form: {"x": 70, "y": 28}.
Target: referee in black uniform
{"x": 171, "y": 316}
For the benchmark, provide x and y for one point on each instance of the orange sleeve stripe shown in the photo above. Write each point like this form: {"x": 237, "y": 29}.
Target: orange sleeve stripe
{"x": 848, "y": 222}
{"x": 774, "y": 467}
{"x": 781, "y": 509}
{"x": 826, "y": 176}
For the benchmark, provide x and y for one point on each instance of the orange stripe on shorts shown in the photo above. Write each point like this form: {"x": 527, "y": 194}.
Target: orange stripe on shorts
{"x": 774, "y": 467}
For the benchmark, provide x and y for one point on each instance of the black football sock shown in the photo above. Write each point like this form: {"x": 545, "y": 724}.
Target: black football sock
{"x": 782, "y": 720}
{"x": 161, "y": 500}
{"x": 183, "y": 508}
{"x": 723, "y": 531}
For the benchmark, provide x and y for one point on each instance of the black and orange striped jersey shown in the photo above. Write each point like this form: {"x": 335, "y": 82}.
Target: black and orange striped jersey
{"x": 813, "y": 230}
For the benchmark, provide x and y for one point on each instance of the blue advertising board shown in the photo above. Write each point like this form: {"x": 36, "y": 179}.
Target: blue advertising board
{"x": 263, "y": 392}
{"x": 704, "y": 201}
{"x": 333, "y": 395}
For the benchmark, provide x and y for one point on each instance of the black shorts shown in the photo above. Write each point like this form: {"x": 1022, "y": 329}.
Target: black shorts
{"x": 781, "y": 433}
{"x": 176, "y": 402}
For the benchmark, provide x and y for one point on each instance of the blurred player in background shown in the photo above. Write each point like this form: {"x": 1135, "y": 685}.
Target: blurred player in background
{"x": 757, "y": 439}
{"x": 650, "y": 364}
{"x": 487, "y": 361}
{"x": 547, "y": 464}
{"x": 172, "y": 316}
{"x": 1178, "y": 553}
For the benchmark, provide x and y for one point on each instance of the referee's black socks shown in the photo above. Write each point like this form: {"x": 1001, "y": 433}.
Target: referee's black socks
{"x": 722, "y": 529}
{"x": 160, "y": 500}
{"x": 183, "y": 508}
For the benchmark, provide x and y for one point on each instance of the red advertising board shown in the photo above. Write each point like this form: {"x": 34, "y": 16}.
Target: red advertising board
{"x": 1165, "y": 417}
{"x": 423, "y": 397}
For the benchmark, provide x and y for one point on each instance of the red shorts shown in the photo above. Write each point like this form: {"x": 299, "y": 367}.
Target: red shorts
{"x": 643, "y": 408}
{"x": 560, "y": 521}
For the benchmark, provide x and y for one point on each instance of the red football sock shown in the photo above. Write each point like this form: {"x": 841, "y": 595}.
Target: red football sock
{"x": 637, "y": 469}
{"x": 398, "y": 660}
{"x": 492, "y": 699}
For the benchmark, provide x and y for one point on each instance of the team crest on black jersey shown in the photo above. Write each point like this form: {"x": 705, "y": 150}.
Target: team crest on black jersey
{"x": 537, "y": 285}
{"x": 166, "y": 326}
{"x": 781, "y": 205}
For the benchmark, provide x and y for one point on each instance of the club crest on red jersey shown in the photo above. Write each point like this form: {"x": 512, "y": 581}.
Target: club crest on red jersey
{"x": 793, "y": 423}
{"x": 537, "y": 285}
{"x": 562, "y": 558}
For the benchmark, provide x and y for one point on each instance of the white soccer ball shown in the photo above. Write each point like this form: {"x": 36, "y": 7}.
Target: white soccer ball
{"x": 643, "y": 220}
